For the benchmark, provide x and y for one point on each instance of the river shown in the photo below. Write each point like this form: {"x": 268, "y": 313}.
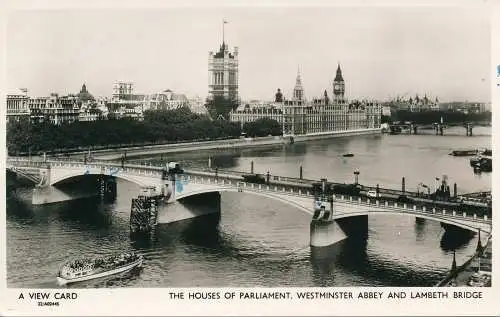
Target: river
{"x": 260, "y": 242}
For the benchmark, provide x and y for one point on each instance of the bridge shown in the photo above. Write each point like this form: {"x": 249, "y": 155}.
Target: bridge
{"x": 334, "y": 216}
{"x": 438, "y": 127}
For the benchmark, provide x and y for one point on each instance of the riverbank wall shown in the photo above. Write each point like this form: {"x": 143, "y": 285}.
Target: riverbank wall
{"x": 335, "y": 134}
{"x": 113, "y": 154}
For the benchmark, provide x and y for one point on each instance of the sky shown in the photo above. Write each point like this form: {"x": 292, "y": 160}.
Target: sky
{"x": 383, "y": 51}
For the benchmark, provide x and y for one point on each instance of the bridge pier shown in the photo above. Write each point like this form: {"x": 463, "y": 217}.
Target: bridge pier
{"x": 439, "y": 129}
{"x": 327, "y": 233}
{"x": 468, "y": 130}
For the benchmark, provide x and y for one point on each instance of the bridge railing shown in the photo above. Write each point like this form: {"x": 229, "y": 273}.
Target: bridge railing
{"x": 291, "y": 181}
{"x": 424, "y": 209}
{"x": 282, "y": 187}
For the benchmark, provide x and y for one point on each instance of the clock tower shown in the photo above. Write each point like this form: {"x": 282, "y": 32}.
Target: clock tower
{"x": 338, "y": 85}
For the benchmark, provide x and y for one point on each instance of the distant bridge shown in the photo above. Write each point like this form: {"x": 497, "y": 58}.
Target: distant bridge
{"x": 438, "y": 127}
{"x": 296, "y": 193}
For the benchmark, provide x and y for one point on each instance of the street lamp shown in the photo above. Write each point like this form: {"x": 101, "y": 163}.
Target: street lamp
{"x": 356, "y": 175}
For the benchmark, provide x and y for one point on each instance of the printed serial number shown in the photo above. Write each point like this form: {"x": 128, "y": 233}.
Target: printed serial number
{"x": 48, "y": 303}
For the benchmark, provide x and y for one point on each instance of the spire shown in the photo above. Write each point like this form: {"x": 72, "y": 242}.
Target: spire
{"x": 298, "y": 81}
{"x": 338, "y": 76}
{"x": 298, "y": 90}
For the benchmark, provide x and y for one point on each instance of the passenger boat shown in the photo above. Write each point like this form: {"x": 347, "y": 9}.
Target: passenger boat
{"x": 90, "y": 268}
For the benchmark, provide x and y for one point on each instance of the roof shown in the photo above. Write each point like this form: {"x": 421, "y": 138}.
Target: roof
{"x": 338, "y": 76}
{"x": 222, "y": 49}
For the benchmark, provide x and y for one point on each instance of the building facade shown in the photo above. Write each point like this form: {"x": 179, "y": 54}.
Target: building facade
{"x": 124, "y": 103}
{"x": 249, "y": 112}
{"x": 415, "y": 104}
{"x": 18, "y": 107}
{"x": 167, "y": 100}
{"x": 54, "y": 108}
{"x": 122, "y": 90}
{"x": 223, "y": 73}
{"x": 300, "y": 116}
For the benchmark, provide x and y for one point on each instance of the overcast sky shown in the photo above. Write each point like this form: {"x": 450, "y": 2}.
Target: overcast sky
{"x": 383, "y": 52}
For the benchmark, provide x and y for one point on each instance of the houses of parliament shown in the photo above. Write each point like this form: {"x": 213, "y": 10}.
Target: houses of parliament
{"x": 299, "y": 116}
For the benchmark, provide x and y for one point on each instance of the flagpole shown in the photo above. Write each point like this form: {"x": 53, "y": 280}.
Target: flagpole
{"x": 223, "y": 37}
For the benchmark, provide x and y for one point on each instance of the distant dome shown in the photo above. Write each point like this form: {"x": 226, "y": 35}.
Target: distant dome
{"x": 84, "y": 95}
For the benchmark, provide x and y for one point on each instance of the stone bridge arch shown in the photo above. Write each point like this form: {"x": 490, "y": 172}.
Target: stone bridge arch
{"x": 465, "y": 224}
{"x": 58, "y": 175}
{"x": 304, "y": 204}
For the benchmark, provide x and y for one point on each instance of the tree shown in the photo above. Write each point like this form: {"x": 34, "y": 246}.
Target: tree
{"x": 158, "y": 126}
{"x": 262, "y": 127}
{"x": 220, "y": 106}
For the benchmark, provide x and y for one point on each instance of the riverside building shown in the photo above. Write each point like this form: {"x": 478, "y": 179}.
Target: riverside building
{"x": 299, "y": 116}
{"x": 125, "y": 103}
{"x": 55, "y": 109}
{"x": 18, "y": 106}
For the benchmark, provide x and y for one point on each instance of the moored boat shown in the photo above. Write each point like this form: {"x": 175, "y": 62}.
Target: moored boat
{"x": 480, "y": 162}
{"x": 90, "y": 268}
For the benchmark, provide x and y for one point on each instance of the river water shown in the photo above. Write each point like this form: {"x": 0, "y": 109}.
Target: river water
{"x": 260, "y": 242}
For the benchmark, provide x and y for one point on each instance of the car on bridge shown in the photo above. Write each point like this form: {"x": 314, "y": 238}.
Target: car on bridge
{"x": 254, "y": 178}
{"x": 404, "y": 199}
{"x": 347, "y": 189}
{"x": 373, "y": 194}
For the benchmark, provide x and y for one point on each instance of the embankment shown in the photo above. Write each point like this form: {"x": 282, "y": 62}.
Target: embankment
{"x": 113, "y": 154}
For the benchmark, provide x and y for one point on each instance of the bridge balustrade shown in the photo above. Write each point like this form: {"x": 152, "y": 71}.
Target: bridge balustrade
{"x": 395, "y": 204}
{"x": 293, "y": 181}
{"x": 234, "y": 178}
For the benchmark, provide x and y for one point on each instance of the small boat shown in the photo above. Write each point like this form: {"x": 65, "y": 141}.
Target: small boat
{"x": 86, "y": 269}
{"x": 348, "y": 155}
{"x": 464, "y": 152}
{"x": 483, "y": 163}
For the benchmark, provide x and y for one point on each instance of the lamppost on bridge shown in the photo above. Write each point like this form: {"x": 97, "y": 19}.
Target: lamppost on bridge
{"x": 356, "y": 175}
{"x": 479, "y": 246}
{"x": 454, "y": 263}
